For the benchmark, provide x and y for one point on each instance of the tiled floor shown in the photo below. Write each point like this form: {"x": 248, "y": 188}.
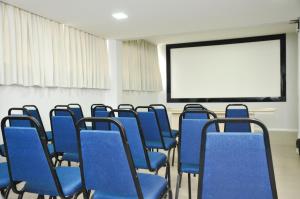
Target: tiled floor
{"x": 286, "y": 165}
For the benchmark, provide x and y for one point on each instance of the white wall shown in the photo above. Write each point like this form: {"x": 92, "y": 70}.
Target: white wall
{"x": 285, "y": 117}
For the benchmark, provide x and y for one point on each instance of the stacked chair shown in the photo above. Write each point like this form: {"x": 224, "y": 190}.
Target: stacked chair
{"x": 236, "y": 164}
{"x": 113, "y": 177}
{"x": 29, "y": 161}
{"x": 154, "y": 138}
{"x": 189, "y": 144}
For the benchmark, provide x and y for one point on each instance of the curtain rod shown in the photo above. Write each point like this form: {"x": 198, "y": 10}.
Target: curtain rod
{"x": 50, "y": 19}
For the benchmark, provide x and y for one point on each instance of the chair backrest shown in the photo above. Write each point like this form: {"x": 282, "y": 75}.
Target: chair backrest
{"x": 61, "y": 113}
{"x": 100, "y": 106}
{"x": 196, "y": 106}
{"x": 134, "y": 136}
{"x": 126, "y": 106}
{"x": 34, "y": 112}
{"x": 101, "y": 111}
{"x": 77, "y": 111}
{"x": 19, "y": 112}
{"x": 236, "y": 165}
{"x": 113, "y": 177}
{"x": 163, "y": 118}
{"x": 195, "y": 113}
{"x": 190, "y": 138}
{"x": 150, "y": 126}
{"x": 28, "y": 157}
{"x": 64, "y": 131}
{"x": 237, "y": 111}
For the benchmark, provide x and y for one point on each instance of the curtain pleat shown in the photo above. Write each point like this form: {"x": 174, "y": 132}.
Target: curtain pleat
{"x": 140, "y": 70}
{"x": 35, "y": 51}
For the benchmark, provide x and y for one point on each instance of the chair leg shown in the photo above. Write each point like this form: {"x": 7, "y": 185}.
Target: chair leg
{"x": 168, "y": 171}
{"x": 69, "y": 163}
{"x": 173, "y": 159}
{"x": 179, "y": 176}
{"x": 7, "y": 192}
{"x": 189, "y": 184}
{"x": 21, "y": 195}
{"x": 41, "y": 197}
{"x": 2, "y": 192}
{"x": 169, "y": 181}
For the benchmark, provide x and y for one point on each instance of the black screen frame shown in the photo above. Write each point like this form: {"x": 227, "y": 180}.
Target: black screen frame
{"x": 281, "y": 98}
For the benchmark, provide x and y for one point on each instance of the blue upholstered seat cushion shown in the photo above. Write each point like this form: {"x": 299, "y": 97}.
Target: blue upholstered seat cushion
{"x": 190, "y": 168}
{"x": 69, "y": 178}
{"x": 4, "y": 178}
{"x": 156, "y": 159}
{"x": 49, "y": 135}
{"x": 2, "y": 151}
{"x": 169, "y": 143}
{"x": 153, "y": 187}
{"x": 72, "y": 157}
{"x": 174, "y": 133}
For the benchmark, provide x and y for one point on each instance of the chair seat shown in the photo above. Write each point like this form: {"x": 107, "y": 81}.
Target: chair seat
{"x": 169, "y": 143}
{"x": 69, "y": 178}
{"x": 153, "y": 187}
{"x": 2, "y": 151}
{"x": 4, "y": 178}
{"x": 190, "y": 168}
{"x": 174, "y": 133}
{"x": 72, "y": 157}
{"x": 157, "y": 160}
{"x": 49, "y": 135}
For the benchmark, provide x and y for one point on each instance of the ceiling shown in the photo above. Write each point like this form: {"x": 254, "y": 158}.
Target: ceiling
{"x": 156, "y": 18}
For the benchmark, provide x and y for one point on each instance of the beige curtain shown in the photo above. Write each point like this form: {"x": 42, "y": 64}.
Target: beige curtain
{"x": 140, "y": 66}
{"x": 35, "y": 51}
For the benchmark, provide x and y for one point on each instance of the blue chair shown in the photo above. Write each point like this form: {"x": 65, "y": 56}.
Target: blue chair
{"x": 236, "y": 164}
{"x": 34, "y": 112}
{"x": 163, "y": 120}
{"x": 29, "y": 161}
{"x": 26, "y": 123}
{"x": 189, "y": 145}
{"x": 194, "y": 106}
{"x": 142, "y": 158}
{"x": 4, "y": 180}
{"x": 113, "y": 177}
{"x": 237, "y": 111}
{"x": 125, "y": 107}
{"x": 152, "y": 131}
{"x": 77, "y": 111}
{"x": 64, "y": 135}
{"x": 101, "y": 111}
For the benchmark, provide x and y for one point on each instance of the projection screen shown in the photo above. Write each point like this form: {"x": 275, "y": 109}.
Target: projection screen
{"x": 234, "y": 70}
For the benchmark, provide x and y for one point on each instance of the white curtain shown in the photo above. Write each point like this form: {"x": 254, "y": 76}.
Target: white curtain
{"x": 140, "y": 66}
{"x": 35, "y": 51}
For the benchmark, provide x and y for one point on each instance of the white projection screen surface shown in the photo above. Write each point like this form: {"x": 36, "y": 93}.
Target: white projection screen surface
{"x": 235, "y": 70}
